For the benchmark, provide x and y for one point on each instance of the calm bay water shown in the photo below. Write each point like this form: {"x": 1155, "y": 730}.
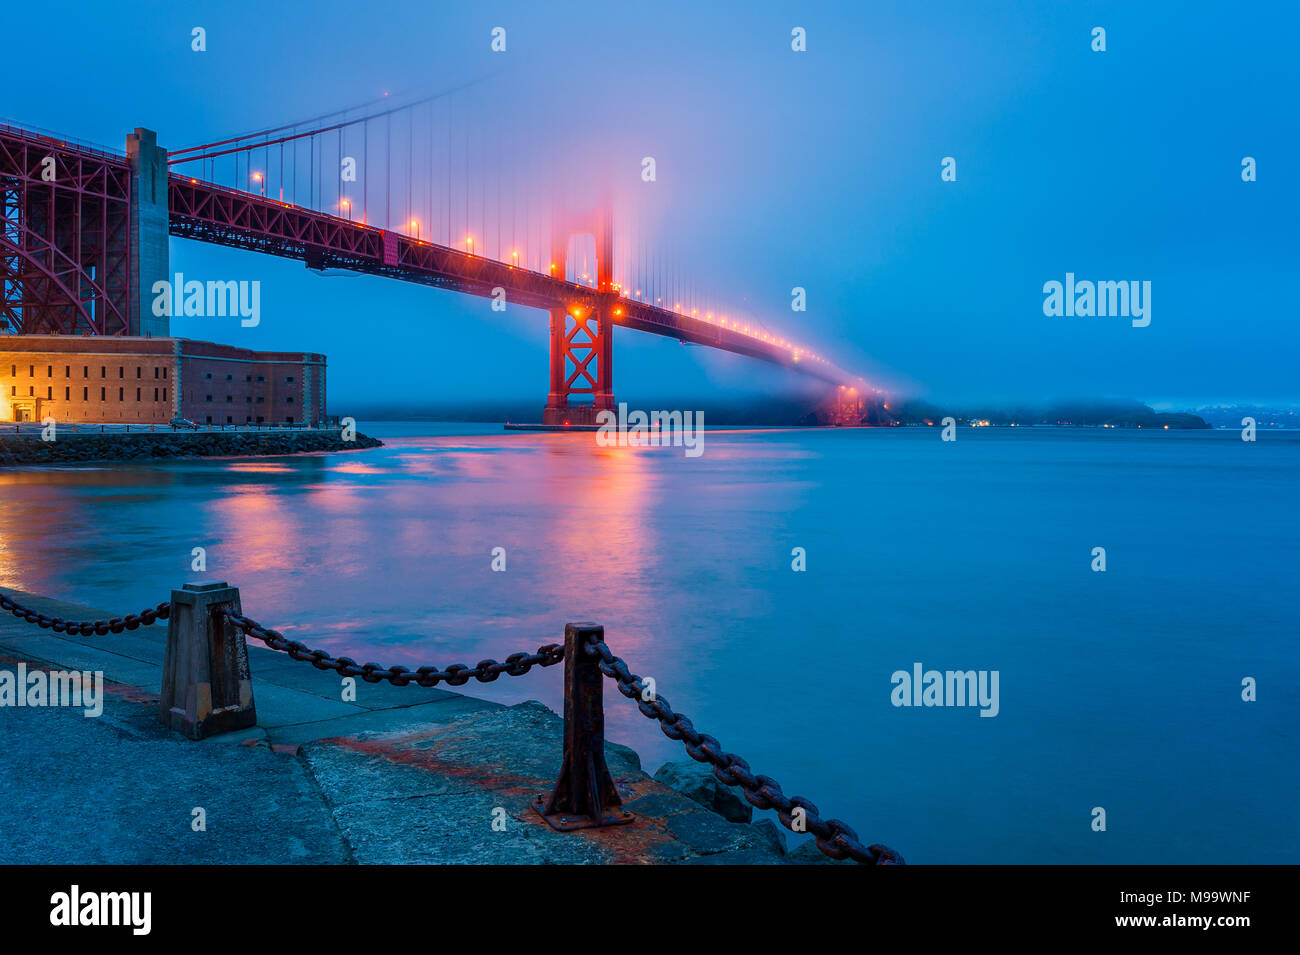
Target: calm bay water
{"x": 1119, "y": 689}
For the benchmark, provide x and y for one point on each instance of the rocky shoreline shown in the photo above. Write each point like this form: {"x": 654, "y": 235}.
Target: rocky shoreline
{"x": 75, "y": 448}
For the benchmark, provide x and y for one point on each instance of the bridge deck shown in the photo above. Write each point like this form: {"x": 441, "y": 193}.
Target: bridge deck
{"x": 211, "y": 213}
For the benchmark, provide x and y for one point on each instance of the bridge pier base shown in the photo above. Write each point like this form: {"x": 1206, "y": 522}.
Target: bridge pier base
{"x": 582, "y": 363}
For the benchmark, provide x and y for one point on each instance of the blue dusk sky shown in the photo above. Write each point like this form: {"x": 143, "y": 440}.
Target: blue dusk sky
{"x": 819, "y": 169}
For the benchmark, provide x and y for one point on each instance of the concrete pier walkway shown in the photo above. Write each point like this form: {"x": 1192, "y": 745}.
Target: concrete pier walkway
{"x": 402, "y": 775}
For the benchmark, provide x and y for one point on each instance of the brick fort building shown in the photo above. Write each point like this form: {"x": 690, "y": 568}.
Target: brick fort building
{"x": 86, "y": 239}
{"x": 130, "y": 380}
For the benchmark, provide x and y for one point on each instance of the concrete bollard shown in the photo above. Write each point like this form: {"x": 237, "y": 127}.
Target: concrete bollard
{"x": 206, "y": 687}
{"x": 584, "y": 796}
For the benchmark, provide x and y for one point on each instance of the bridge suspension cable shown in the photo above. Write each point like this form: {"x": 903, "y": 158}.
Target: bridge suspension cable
{"x": 442, "y": 170}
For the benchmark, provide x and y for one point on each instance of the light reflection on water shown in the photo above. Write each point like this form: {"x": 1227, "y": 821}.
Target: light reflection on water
{"x": 1118, "y": 690}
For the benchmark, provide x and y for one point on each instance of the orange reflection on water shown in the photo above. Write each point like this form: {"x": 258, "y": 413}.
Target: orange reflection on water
{"x": 606, "y": 503}
{"x": 256, "y": 524}
{"x": 259, "y": 467}
{"x": 353, "y": 467}
{"x": 50, "y": 516}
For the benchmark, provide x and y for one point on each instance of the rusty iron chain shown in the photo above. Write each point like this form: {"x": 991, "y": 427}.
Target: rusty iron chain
{"x": 85, "y": 628}
{"x": 517, "y": 664}
{"x": 834, "y": 838}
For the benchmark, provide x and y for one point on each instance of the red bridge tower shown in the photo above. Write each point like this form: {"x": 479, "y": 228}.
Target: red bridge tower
{"x": 582, "y": 335}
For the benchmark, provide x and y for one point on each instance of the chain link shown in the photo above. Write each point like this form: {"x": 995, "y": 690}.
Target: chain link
{"x": 834, "y": 838}
{"x": 85, "y": 628}
{"x": 517, "y": 664}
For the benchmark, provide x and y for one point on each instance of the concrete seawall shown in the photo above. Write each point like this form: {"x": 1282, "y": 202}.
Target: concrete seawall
{"x": 80, "y": 447}
{"x": 398, "y": 775}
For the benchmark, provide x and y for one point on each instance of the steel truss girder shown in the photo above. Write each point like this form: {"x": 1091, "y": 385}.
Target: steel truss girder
{"x": 210, "y": 213}
{"x": 64, "y": 237}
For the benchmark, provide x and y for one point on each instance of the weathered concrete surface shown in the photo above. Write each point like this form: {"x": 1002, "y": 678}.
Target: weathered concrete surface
{"x": 462, "y": 792}
{"x": 401, "y": 774}
{"x": 122, "y": 789}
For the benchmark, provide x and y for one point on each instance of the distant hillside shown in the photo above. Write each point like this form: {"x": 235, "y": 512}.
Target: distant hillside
{"x": 811, "y": 411}
{"x": 1078, "y": 413}
{"x": 1266, "y": 417}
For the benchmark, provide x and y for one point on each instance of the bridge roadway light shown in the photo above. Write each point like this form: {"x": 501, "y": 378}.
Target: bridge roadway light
{"x": 416, "y": 225}
{"x": 261, "y": 183}
{"x": 347, "y": 207}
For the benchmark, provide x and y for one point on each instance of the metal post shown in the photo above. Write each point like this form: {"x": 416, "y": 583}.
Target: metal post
{"x": 584, "y": 796}
{"x": 206, "y": 687}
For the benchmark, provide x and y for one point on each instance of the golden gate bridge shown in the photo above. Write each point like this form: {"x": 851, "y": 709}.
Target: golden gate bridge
{"x": 410, "y": 192}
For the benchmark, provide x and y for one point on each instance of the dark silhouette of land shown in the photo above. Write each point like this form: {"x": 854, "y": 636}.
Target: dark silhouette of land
{"x": 819, "y": 410}
{"x": 1083, "y": 413}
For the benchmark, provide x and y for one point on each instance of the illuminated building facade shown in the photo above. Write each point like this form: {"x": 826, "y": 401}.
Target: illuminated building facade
{"x": 132, "y": 380}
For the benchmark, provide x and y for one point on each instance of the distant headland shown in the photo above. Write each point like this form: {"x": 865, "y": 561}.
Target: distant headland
{"x": 814, "y": 411}
{"x": 1079, "y": 414}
